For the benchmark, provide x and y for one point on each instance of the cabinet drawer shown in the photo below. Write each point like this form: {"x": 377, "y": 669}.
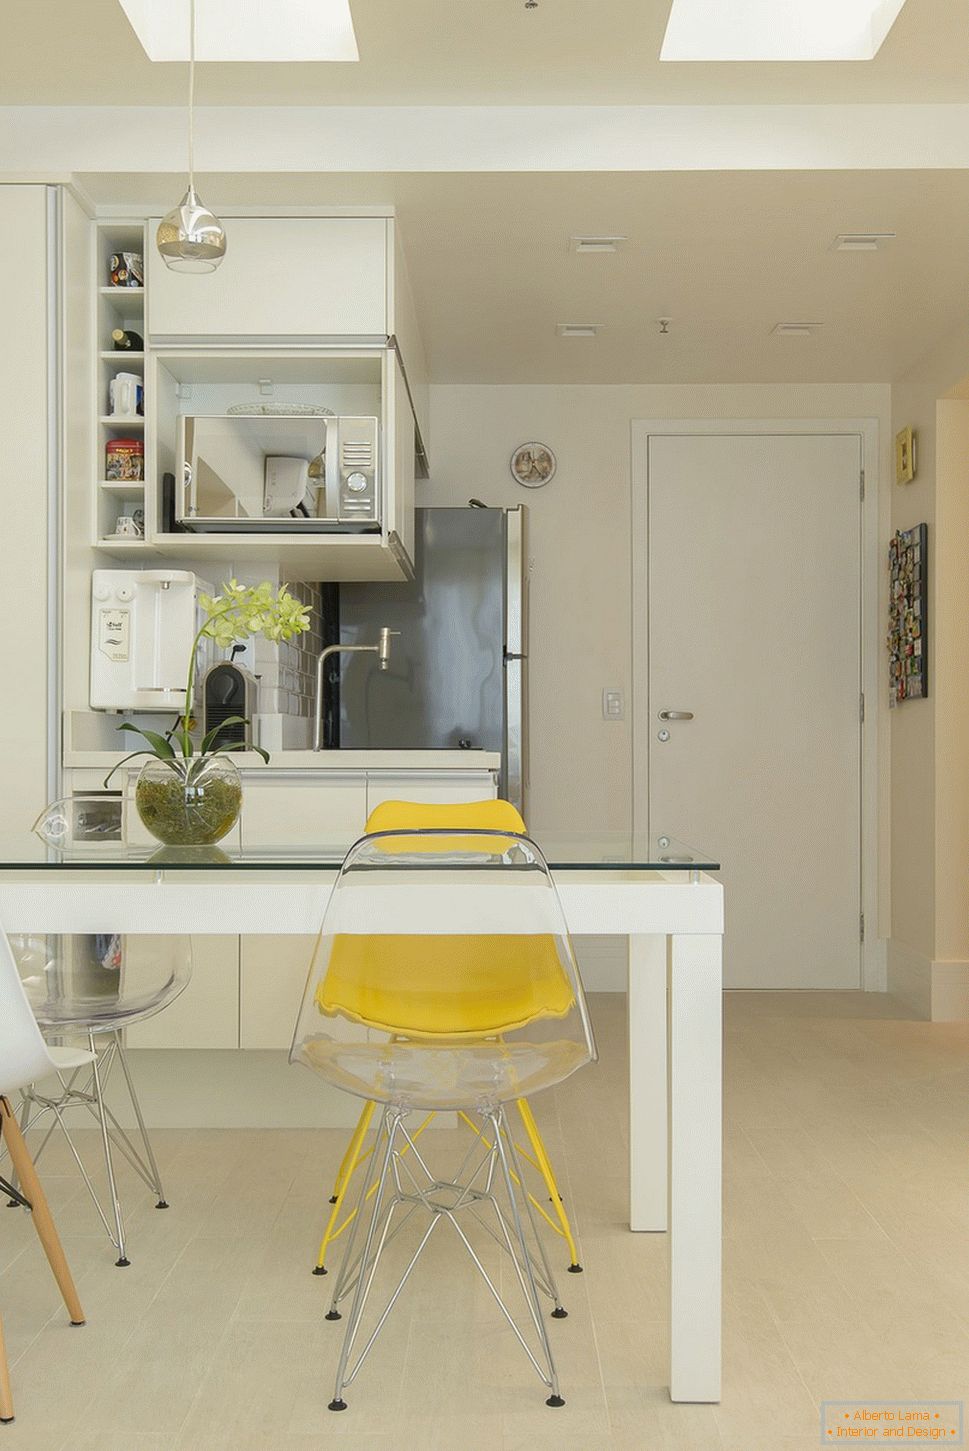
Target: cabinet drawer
{"x": 207, "y": 1013}
{"x": 273, "y": 976}
{"x": 302, "y": 810}
{"x": 281, "y": 277}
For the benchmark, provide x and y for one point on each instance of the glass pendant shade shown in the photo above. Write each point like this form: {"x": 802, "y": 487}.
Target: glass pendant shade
{"x": 191, "y": 238}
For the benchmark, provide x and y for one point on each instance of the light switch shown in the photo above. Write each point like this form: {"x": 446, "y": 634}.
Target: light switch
{"x": 613, "y": 707}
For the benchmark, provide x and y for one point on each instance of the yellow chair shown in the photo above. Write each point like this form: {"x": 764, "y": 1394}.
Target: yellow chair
{"x": 363, "y": 994}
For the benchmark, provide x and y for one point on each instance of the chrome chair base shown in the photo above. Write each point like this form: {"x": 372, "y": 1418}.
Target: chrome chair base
{"x": 495, "y": 1177}
{"x": 89, "y": 1093}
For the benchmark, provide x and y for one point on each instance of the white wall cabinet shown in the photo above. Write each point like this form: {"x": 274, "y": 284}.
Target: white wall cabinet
{"x": 272, "y": 978}
{"x": 289, "y": 808}
{"x": 206, "y": 1015}
{"x": 282, "y": 277}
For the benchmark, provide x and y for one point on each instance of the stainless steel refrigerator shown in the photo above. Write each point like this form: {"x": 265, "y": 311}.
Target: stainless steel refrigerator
{"x": 458, "y": 670}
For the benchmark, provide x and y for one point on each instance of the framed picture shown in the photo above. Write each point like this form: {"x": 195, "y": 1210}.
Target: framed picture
{"x": 908, "y": 615}
{"x": 904, "y": 456}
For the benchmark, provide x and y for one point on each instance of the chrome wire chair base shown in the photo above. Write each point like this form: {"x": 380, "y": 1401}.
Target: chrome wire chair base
{"x": 85, "y": 1087}
{"x": 477, "y": 1188}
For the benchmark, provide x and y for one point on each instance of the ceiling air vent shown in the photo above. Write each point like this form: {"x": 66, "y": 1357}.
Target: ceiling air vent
{"x": 862, "y": 241}
{"x": 595, "y": 244}
{"x": 578, "y": 329}
{"x": 795, "y": 329}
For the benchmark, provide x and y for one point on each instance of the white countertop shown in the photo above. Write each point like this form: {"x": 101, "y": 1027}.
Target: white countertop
{"x": 389, "y": 761}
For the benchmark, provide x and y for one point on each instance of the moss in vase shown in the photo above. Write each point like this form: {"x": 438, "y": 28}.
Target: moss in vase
{"x": 181, "y": 815}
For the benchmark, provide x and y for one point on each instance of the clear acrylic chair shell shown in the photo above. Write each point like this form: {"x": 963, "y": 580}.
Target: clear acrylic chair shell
{"x": 443, "y": 976}
{"x": 93, "y": 985}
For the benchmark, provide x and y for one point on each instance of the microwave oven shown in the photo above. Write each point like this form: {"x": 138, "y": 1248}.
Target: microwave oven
{"x": 278, "y": 473}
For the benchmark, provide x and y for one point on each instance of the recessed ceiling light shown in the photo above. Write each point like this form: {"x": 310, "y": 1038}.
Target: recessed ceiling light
{"x": 596, "y": 244}
{"x": 758, "y": 30}
{"x": 795, "y": 329}
{"x": 287, "y": 30}
{"x": 578, "y": 329}
{"x": 862, "y": 241}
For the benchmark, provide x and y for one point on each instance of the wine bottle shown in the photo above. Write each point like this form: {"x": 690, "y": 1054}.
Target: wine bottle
{"x": 124, "y": 340}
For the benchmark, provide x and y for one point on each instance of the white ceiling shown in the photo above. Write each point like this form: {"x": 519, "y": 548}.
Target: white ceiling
{"x": 471, "y": 52}
{"x": 725, "y": 254}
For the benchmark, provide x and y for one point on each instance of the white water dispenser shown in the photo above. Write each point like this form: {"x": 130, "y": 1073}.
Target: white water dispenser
{"x": 143, "y": 623}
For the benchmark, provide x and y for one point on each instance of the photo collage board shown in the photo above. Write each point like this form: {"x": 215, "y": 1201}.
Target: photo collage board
{"x": 908, "y": 615}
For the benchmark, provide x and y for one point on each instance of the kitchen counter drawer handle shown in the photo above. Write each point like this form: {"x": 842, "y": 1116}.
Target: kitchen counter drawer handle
{"x": 676, "y": 715}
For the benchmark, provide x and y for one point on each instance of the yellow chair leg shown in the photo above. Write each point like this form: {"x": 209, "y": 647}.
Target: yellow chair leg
{"x": 342, "y": 1174}
{"x": 545, "y": 1169}
{"x": 343, "y": 1179}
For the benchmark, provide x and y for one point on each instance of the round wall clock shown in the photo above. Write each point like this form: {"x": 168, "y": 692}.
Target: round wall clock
{"x": 532, "y": 465}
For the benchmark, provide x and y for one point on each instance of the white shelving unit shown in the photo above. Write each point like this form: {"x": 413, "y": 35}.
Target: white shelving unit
{"x": 116, "y": 307}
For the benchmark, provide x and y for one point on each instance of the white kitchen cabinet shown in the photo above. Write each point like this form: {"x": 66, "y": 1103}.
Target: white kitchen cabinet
{"x": 272, "y": 976}
{"x": 302, "y": 807}
{"x": 206, "y": 1015}
{"x": 282, "y": 277}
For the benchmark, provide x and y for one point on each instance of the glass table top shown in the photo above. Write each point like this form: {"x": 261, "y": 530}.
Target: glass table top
{"x": 579, "y": 851}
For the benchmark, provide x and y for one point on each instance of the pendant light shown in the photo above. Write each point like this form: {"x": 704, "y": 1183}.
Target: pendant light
{"x": 191, "y": 238}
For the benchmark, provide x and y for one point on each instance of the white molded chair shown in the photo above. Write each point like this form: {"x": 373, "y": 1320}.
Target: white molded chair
{"x": 93, "y": 986}
{"x": 444, "y": 978}
{"x": 25, "y": 1058}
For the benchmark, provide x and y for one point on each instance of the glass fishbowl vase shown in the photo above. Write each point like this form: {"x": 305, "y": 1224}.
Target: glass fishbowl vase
{"x": 189, "y": 802}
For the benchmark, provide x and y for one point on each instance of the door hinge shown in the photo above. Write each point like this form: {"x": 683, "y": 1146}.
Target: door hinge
{"x": 861, "y": 927}
{"x": 861, "y": 707}
{"x": 861, "y": 486}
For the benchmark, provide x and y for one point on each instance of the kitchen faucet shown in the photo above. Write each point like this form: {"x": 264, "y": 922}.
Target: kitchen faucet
{"x": 382, "y": 650}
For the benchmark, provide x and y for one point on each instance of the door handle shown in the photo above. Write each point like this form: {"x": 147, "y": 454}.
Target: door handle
{"x": 676, "y": 715}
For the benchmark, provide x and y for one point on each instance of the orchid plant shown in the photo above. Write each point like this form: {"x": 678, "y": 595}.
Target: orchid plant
{"x": 232, "y": 617}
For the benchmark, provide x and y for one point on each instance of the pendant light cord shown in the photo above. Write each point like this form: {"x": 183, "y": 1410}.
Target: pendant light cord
{"x": 191, "y": 96}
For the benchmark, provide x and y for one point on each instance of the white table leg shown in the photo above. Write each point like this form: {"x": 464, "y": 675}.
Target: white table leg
{"x": 648, "y": 1119}
{"x": 696, "y": 1106}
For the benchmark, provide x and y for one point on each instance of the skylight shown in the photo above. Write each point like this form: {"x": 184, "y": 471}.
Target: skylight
{"x": 758, "y": 30}
{"x": 245, "y": 30}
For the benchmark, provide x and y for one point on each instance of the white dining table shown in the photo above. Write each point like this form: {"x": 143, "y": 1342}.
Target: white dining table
{"x": 665, "y": 901}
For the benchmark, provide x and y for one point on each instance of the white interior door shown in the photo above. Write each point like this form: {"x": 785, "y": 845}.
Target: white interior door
{"x": 754, "y": 629}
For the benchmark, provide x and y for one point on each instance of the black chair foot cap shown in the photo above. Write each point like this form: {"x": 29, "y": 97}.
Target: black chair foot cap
{"x": 332, "y": 1315}
{"x": 122, "y": 1263}
{"x": 555, "y": 1401}
{"x": 78, "y": 1322}
{"x": 575, "y": 1269}
{"x": 5, "y": 1420}
{"x": 337, "y": 1406}
{"x": 320, "y": 1270}
{"x": 162, "y": 1204}
{"x": 333, "y": 1198}
{"x": 13, "y": 1204}
{"x": 560, "y": 1313}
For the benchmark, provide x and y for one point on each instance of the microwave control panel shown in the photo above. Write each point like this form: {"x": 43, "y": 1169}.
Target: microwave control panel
{"x": 352, "y": 471}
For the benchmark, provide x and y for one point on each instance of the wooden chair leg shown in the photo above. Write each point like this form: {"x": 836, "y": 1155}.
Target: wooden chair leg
{"x": 23, "y": 1166}
{"x": 6, "y": 1395}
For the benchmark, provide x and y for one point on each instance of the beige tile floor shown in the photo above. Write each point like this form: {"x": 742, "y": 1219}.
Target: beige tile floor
{"x": 846, "y": 1272}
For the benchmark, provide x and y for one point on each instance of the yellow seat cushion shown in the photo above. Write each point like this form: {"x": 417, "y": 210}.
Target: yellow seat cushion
{"x": 434, "y": 816}
{"x": 443, "y": 985}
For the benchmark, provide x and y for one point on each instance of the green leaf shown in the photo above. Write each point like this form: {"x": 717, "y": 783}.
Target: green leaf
{"x": 119, "y": 764}
{"x": 211, "y": 735}
{"x": 160, "y": 746}
{"x": 240, "y": 746}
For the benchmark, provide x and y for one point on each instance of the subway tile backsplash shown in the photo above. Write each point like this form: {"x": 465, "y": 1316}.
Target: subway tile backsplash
{"x": 287, "y": 670}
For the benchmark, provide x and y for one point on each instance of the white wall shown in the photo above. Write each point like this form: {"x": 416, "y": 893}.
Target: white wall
{"x": 929, "y": 954}
{"x": 580, "y": 545}
{"x": 23, "y": 486}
